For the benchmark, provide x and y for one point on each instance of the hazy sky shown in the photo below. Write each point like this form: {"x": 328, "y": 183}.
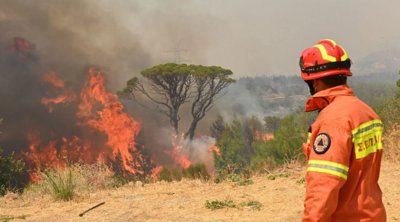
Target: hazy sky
{"x": 251, "y": 37}
{"x": 266, "y": 37}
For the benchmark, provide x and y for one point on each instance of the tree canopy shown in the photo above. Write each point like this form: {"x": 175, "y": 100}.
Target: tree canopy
{"x": 171, "y": 85}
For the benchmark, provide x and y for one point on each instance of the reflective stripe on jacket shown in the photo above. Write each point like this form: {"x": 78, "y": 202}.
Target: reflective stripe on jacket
{"x": 344, "y": 153}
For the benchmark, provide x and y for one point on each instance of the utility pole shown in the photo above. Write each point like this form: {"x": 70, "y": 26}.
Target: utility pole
{"x": 177, "y": 53}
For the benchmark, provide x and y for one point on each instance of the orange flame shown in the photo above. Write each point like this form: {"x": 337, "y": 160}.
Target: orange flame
{"x": 100, "y": 111}
{"x": 55, "y": 81}
{"x": 215, "y": 149}
{"x": 110, "y": 119}
{"x": 180, "y": 158}
{"x": 263, "y": 136}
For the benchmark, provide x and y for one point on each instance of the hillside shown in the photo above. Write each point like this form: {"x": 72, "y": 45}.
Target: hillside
{"x": 280, "y": 95}
{"x": 281, "y": 195}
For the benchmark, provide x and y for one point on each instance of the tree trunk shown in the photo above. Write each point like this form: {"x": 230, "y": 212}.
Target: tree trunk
{"x": 190, "y": 133}
{"x": 174, "y": 121}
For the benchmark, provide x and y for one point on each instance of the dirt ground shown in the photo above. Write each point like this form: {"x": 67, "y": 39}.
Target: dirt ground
{"x": 281, "y": 199}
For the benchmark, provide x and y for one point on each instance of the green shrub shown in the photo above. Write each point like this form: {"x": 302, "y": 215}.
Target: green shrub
{"x": 6, "y": 218}
{"x": 252, "y": 204}
{"x": 217, "y": 204}
{"x": 279, "y": 175}
{"x": 286, "y": 145}
{"x": 196, "y": 171}
{"x": 233, "y": 158}
{"x": 60, "y": 183}
{"x": 165, "y": 175}
{"x": 10, "y": 171}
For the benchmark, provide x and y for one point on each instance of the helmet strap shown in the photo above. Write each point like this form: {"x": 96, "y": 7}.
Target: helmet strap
{"x": 327, "y": 66}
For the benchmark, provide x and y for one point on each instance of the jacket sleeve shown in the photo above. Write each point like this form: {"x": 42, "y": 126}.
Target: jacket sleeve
{"x": 329, "y": 153}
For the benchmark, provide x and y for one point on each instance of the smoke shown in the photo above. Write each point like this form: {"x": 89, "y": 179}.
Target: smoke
{"x": 65, "y": 38}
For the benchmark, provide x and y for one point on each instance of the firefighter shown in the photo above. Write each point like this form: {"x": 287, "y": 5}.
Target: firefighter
{"x": 344, "y": 146}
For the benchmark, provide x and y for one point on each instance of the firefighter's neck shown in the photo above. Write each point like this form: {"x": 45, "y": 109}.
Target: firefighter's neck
{"x": 319, "y": 85}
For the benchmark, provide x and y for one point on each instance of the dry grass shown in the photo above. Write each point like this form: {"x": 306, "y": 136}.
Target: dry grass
{"x": 81, "y": 179}
{"x": 280, "y": 199}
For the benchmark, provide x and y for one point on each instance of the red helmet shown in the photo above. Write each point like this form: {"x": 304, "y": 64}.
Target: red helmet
{"x": 324, "y": 59}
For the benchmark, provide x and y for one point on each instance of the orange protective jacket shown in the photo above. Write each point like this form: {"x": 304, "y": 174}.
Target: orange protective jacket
{"x": 344, "y": 152}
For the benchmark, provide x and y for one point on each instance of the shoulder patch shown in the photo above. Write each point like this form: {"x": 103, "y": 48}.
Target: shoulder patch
{"x": 322, "y": 143}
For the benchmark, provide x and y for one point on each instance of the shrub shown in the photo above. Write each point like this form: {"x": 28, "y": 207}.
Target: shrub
{"x": 232, "y": 148}
{"x": 252, "y": 204}
{"x": 286, "y": 145}
{"x": 60, "y": 183}
{"x": 217, "y": 204}
{"x": 10, "y": 170}
{"x": 196, "y": 171}
{"x": 85, "y": 178}
{"x": 165, "y": 175}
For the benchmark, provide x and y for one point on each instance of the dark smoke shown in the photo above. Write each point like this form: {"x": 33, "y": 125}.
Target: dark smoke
{"x": 68, "y": 36}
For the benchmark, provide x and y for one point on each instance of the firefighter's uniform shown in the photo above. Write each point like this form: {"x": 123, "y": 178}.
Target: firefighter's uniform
{"x": 343, "y": 150}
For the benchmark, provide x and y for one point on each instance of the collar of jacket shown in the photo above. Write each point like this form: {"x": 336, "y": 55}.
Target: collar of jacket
{"x": 323, "y": 98}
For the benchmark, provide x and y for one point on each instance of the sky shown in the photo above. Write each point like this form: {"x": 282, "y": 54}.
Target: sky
{"x": 252, "y": 37}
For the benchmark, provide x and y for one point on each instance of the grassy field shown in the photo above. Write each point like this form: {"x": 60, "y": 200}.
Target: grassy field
{"x": 270, "y": 197}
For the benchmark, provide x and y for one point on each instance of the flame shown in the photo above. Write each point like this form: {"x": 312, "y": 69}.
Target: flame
{"x": 107, "y": 133}
{"x": 179, "y": 157}
{"x": 215, "y": 149}
{"x": 47, "y": 154}
{"x": 263, "y": 136}
{"x": 155, "y": 172}
{"x": 52, "y": 78}
{"x": 99, "y": 111}
{"x": 55, "y": 81}
{"x": 110, "y": 119}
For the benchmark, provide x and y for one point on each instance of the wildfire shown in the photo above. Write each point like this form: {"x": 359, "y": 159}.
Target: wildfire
{"x": 110, "y": 119}
{"x": 48, "y": 155}
{"x": 264, "y": 136}
{"x": 177, "y": 153}
{"x": 100, "y": 111}
{"x": 215, "y": 149}
{"x": 52, "y": 78}
{"x": 65, "y": 96}
{"x": 90, "y": 125}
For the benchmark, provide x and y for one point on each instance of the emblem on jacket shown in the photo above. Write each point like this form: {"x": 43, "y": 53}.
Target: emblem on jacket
{"x": 322, "y": 143}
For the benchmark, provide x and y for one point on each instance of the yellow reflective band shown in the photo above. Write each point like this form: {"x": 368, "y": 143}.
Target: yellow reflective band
{"x": 329, "y": 163}
{"x": 367, "y": 138}
{"x": 328, "y": 167}
{"x": 309, "y": 137}
{"x": 344, "y": 56}
{"x": 324, "y": 53}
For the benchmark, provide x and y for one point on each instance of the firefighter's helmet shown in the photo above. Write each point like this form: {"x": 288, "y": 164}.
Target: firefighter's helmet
{"x": 326, "y": 58}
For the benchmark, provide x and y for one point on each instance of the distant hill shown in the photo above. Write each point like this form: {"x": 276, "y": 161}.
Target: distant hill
{"x": 279, "y": 95}
{"x": 377, "y": 63}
